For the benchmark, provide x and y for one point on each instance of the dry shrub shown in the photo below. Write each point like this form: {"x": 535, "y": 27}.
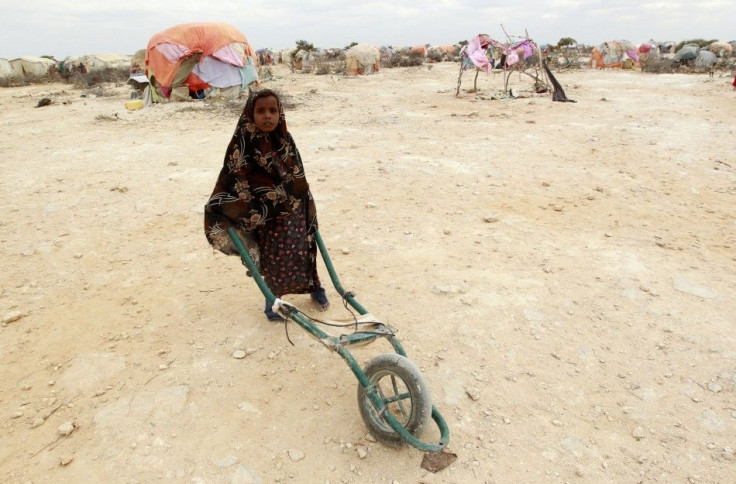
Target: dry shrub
{"x": 564, "y": 60}
{"x": 322, "y": 68}
{"x": 435, "y": 56}
{"x": 411, "y": 61}
{"x": 103, "y": 76}
{"x": 656, "y": 65}
{"x": 107, "y": 117}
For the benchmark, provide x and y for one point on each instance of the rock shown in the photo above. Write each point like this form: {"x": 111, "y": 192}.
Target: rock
{"x": 727, "y": 453}
{"x": 362, "y": 451}
{"x": 12, "y": 316}
{"x": 436, "y": 461}
{"x": 239, "y": 354}
{"x": 345, "y": 250}
{"x": 17, "y": 414}
{"x": 370, "y": 438}
{"x": 295, "y": 455}
{"x": 638, "y": 433}
{"x": 711, "y": 421}
{"x": 37, "y": 423}
{"x": 65, "y": 459}
{"x": 490, "y": 219}
{"x": 370, "y": 205}
{"x": 473, "y": 393}
{"x": 66, "y": 429}
{"x": 714, "y": 387}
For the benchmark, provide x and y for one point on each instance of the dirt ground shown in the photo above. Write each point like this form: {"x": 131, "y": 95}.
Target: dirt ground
{"x": 563, "y": 274}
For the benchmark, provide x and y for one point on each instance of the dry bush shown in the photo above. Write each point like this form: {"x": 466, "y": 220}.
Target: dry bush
{"x": 340, "y": 68}
{"x": 564, "y": 60}
{"x": 107, "y": 117}
{"x": 103, "y": 76}
{"x": 410, "y": 61}
{"x": 435, "y": 56}
{"x": 657, "y": 65}
{"x": 322, "y": 68}
{"x": 28, "y": 79}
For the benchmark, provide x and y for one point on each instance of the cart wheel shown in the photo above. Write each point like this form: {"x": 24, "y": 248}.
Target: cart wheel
{"x": 404, "y": 392}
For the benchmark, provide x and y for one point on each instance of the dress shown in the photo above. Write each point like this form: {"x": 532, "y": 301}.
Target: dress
{"x": 263, "y": 194}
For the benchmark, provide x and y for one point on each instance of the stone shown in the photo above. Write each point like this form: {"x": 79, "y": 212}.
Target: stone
{"x": 638, "y": 433}
{"x": 473, "y": 393}
{"x": 239, "y": 354}
{"x": 66, "y": 429}
{"x": 362, "y": 451}
{"x": 295, "y": 455}
{"x": 12, "y": 316}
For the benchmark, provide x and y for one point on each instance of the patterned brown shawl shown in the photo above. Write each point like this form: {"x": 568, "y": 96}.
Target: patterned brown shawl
{"x": 262, "y": 179}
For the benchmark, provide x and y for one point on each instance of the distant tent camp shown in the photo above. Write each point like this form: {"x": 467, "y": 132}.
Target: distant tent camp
{"x": 362, "y": 59}
{"x": 5, "y": 69}
{"x": 614, "y": 53}
{"x": 31, "y": 66}
{"x": 197, "y": 56}
{"x": 100, "y": 62}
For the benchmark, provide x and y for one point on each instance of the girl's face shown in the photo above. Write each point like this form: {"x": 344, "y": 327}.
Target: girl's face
{"x": 266, "y": 113}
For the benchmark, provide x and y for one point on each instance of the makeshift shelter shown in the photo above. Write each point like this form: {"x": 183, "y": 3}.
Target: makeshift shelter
{"x": 5, "y": 69}
{"x": 199, "y": 56}
{"x": 648, "y": 49}
{"x": 138, "y": 62}
{"x": 266, "y": 57}
{"x": 687, "y": 52}
{"x": 522, "y": 56}
{"x": 667, "y": 47}
{"x": 31, "y": 66}
{"x": 705, "y": 60}
{"x": 613, "y": 54}
{"x": 721, "y": 49}
{"x": 100, "y": 62}
{"x": 286, "y": 56}
{"x": 306, "y": 59}
{"x": 362, "y": 59}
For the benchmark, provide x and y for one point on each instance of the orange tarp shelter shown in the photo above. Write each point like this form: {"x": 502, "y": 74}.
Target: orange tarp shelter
{"x": 200, "y": 55}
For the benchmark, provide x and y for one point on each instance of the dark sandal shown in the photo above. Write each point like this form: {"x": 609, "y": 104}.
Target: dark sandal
{"x": 272, "y": 316}
{"x": 320, "y": 298}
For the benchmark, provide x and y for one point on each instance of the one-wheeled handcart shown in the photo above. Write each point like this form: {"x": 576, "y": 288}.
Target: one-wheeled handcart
{"x": 393, "y": 398}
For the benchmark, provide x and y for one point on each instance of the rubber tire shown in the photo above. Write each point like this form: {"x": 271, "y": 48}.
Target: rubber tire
{"x": 412, "y": 381}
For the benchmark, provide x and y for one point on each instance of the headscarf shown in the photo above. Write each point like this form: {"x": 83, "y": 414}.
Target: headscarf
{"x": 262, "y": 179}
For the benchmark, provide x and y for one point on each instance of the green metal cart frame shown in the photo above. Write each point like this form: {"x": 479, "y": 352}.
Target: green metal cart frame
{"x": 378, "y": 410}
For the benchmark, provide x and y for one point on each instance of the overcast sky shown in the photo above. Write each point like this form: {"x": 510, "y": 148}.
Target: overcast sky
{"x": 78, "y": 27}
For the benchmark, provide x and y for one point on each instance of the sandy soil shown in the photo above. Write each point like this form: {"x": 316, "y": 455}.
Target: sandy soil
{"x": 562, "y": 274}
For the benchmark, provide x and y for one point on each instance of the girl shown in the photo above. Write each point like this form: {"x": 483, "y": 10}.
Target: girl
{"x": 263, "y": 194}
